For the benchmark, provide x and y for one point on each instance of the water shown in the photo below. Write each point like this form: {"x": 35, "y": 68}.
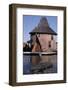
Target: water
{"x": 35, "y": 64}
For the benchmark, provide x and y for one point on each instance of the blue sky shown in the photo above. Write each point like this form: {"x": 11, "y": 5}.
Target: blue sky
{"x": 30, "y": 22}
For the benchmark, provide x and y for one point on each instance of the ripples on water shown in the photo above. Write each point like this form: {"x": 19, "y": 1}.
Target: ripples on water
{"x": 34, "y": 64}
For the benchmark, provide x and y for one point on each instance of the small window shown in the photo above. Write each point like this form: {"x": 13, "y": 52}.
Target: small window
{"x": 51, "y": 37}
{"x": 49, "y": 44}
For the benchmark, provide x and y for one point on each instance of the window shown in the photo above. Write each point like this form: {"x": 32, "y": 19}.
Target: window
{"x": 51, "y": 37}
{"x": 49, "y": 44}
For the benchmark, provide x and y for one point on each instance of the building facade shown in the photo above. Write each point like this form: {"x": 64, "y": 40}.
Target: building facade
{"x": 43, "y": 37}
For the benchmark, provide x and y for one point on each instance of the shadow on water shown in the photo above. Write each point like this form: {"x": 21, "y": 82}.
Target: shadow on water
{"x": 34, "y": 64}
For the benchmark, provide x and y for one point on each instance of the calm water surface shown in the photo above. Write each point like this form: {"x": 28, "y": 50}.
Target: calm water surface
{"x": 39, "y": 64}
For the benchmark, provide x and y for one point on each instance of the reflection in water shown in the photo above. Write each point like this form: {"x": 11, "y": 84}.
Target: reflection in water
{"x": 36, "y": 64}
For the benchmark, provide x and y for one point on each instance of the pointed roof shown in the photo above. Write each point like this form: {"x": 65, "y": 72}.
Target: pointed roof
{"x": 43, "y": 28}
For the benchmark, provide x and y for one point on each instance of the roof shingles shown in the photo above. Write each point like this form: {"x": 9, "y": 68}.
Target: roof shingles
{"x": 43, "y": 28}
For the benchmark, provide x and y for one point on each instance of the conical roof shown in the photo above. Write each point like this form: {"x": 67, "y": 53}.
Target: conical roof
{"x": 43, "y": 27}
{"x": 43, "y": 22}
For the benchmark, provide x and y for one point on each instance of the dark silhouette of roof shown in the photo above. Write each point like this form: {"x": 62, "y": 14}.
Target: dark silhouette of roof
{"x": 43, "y": 28}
